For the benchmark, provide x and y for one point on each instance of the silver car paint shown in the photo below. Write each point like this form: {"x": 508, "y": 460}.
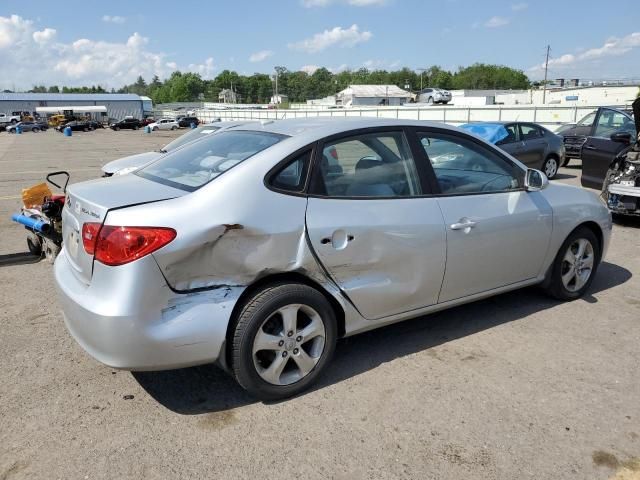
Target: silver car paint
{"x": 130, "y": 161}
{"x": 134, "y": 317}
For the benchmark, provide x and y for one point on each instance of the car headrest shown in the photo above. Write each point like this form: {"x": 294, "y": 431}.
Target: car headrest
{"x": 366, "y": 163}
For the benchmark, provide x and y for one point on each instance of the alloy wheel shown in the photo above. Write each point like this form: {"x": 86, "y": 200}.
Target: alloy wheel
{"x": 289, "y": 344}
{"x": 551, "y": 167}
{"x": 577, "y": 264}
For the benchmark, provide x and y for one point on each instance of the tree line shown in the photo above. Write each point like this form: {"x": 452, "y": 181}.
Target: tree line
{"x": 300, "y": 86}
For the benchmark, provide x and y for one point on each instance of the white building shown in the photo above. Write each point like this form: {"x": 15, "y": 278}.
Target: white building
{"x": 279, "y": 99}
{"x": 372, "y": 95}
{"x": 614, "y": 95}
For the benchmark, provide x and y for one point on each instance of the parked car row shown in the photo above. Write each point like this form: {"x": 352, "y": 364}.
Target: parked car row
{"x": 28, "y": 126}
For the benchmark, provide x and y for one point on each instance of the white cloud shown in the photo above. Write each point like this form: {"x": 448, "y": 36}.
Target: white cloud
{"x": 337, "y": 36}
{"x": 36, "y": 56}
{"x": 114, "y": 19}
{"x": 611, "y": 48}
{"x": 205, "y": 69}
{"x": 11, "y": 29}
{"x": 355, "y": 3}
{"x": 309, "y": 69}
{"x": 495, "y": 22}
{"x": 44, "y": 36}
{"x": 518, "y": 7}
{"x": 260, "y": 56}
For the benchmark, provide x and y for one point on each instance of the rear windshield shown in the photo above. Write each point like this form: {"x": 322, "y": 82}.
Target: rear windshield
{"x": 191, "y": 135}
{"x": 198, "y": 163}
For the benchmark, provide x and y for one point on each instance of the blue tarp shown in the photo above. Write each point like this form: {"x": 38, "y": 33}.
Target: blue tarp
{"x": 491, "y": 132}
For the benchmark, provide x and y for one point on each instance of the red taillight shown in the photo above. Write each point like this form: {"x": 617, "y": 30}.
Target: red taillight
{"x": 89, "y": 236}
{"x": 119, "y": 245}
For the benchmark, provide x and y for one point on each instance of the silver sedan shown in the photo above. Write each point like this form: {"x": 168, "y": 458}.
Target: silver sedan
{"x": 258, "y": 247}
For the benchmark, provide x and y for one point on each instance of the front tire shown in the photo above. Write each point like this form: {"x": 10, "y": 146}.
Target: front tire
{"x": 284, "y": 337}
{"x": 51, "y": 250}
{"x": 550, "y": 167}
{"x": 430, "y": 100}
{"x": 173, "y": 127}
{"x": 35, "y": 129}
{"x": 575, "y": 265}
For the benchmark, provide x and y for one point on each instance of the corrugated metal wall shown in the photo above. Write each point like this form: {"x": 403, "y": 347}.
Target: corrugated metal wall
{"x": 117, "y": 109}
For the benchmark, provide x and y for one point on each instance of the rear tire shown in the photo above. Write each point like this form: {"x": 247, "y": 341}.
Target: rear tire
{"x": 35, "y": 129}
{"x": 575, "y": 265}
{"x": 550, "y": 167}
{"x": 566, "y": 162}
{"x": 34, "y": 243}
{"x": 284, "y": 337}
{"x": 173, "y": 127}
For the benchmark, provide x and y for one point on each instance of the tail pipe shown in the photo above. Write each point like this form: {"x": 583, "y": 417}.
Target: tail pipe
{"x": 36, "y": 224}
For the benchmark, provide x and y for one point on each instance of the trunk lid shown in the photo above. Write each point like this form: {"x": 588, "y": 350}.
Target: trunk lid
{"x": 91, "y": 201}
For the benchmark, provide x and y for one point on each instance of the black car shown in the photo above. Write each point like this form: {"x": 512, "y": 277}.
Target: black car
{"x": 75, "y": 126}
{"x": 592, "y": 125}
{"x": 127, "y": 123}
{"x": 187, "y": 121}
{"x": 613, "y": 134}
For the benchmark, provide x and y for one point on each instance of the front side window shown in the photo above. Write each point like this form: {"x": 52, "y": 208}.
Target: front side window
{"x": 198, "y": 163}
{"x": 611, "y": 121}
{"x": 462, "y": 166}
{"x": 368, "y": 165}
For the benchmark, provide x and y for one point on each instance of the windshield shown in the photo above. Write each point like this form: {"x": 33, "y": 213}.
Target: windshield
{"x": 588, "y": 120}
{"x": 198, "y": 163}
{"x": 191, "y": 135}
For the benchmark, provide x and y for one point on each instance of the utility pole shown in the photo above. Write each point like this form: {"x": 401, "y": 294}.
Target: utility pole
{"x": 421, "y": 70}
{"x": 279, "y": 71}
{"x": 546, "y": 68}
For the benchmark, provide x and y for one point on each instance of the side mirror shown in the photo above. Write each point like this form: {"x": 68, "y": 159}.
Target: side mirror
{"x": 535, "y": 180}
{"x": 621, "y": 137}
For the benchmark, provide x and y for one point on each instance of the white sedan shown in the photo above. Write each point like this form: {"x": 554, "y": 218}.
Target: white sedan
{"x": 165, "y": 124}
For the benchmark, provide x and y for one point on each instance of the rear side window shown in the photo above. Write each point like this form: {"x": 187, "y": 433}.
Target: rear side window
{"x": 529, "y": 132}
{"x": 368, "y": 165}
{"x": 293, "y": 175}
{"x": 197, "y": 163}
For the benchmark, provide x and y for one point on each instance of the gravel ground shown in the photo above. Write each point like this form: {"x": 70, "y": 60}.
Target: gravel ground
{"x": 517, "y": 386}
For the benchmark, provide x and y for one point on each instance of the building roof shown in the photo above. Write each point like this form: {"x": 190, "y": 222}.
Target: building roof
{"x": 378, "y": 91}
{"x": 69, "y": 97}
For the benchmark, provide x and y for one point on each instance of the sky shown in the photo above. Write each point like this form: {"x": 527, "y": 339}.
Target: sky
{"x": 110, "y": 43}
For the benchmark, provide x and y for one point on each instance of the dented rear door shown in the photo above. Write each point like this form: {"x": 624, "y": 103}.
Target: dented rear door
{"x": 387, "y": 255}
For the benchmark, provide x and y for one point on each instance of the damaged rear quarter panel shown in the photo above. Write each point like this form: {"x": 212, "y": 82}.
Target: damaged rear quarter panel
{"x": 231, "y": 232}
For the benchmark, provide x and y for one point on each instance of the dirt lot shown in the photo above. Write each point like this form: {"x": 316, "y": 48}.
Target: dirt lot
{"x": 517, "y": 386}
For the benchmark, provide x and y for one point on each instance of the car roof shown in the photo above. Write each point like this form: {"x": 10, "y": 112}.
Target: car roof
{"x": 321, "y": 127}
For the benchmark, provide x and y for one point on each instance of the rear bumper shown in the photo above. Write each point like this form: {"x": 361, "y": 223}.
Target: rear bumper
{"x": 128, "y": 317}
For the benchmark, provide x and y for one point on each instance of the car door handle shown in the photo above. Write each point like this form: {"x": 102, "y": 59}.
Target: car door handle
{"x": 463, "y": 225}
{"x": 590, "y": 147}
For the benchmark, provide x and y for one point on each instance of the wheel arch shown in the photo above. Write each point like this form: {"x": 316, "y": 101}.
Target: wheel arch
{"x": 597, "y": 231}
{"x": 278, "y": 278}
